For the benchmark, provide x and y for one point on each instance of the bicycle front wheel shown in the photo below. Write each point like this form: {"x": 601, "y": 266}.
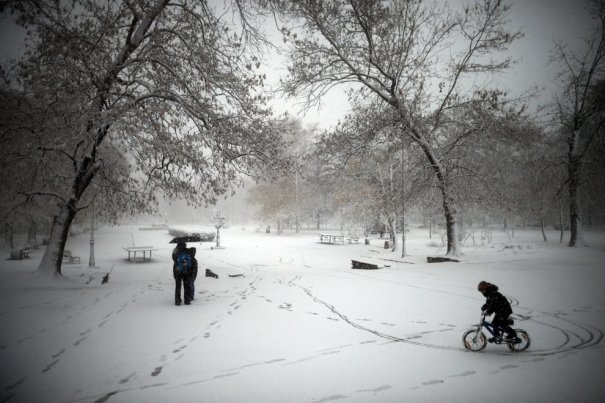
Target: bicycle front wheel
{"x": 474, "y": 340}
{"x": 523, "y": 342}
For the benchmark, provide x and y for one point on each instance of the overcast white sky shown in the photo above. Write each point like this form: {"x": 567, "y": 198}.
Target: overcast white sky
{"x": 543, "y": 22}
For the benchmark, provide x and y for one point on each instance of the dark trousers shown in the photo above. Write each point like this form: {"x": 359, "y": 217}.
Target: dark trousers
{"x": 186, "y": 283}
{"x": 501, "y": 325}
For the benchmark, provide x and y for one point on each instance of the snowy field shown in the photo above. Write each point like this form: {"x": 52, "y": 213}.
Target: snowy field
{"x": 300, "y": 325}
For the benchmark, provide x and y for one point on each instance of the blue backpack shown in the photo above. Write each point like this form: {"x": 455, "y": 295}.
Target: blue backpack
{"x": 184, "y": 263}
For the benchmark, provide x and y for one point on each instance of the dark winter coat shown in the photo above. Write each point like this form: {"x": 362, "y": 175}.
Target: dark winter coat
{"x": 192, "y": 274}
{"x": 496, "y": 302}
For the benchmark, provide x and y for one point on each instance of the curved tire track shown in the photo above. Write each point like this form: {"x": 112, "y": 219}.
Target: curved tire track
{"x": 573, "y": 339}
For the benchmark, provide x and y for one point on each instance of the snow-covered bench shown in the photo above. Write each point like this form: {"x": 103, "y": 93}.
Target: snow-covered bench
{"x": 68, "y": 257}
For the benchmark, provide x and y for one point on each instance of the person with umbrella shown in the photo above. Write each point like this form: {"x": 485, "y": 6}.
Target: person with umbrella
{"x": 184, "y": 269}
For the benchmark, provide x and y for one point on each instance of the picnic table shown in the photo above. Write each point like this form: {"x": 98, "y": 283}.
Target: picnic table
{"x": 334, "y": 238}
{"x": 133, "y": 250}
{"x": 331, "y": 238}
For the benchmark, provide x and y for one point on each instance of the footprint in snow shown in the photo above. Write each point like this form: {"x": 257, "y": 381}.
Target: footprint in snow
{"x": 49, "y": 366}
{"x": 332, "y": 398}
{"x": 179, "y": 349}
{"x": 127, "y": 378}
{"x": 14, "y": 385}
{"x": 467, "y": 373}
{"x": 58, "y": 354}
{"x": 378, "y": 389}
{"x": 433, "y": 382}
{"x": 77, "y": 343}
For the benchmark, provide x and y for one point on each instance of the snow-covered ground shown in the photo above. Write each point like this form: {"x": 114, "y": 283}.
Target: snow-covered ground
{"x": 300, "y": 325}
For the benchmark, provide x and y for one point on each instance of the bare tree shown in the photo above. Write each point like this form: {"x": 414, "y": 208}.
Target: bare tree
{"x": 580, "y": 110}
{"x": 172, "y": 85}
{"x": 414, "y": 56}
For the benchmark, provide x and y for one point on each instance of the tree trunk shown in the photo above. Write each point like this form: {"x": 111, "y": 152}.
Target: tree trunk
{"x": 561, "y": 223}
{"x": 403, "y": 236}
{"x": 446, "y": 198}
{"x": 543, "y": 231}
{"x": 575, "y": 215}
{"x": 451, "y": 231}
{"x": 8, "y": 235}
{"x": 53, "y": 256}
{"x": 32, "y": 232}
{"x": 297, "y": 216}
{"x": 392, "y": 227}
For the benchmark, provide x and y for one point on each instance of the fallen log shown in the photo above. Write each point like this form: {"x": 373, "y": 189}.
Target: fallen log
{"x": 441, "y": 259}
{"x": 356, "y": 264}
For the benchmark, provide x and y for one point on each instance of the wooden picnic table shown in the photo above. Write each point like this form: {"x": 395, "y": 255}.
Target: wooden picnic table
{"x": 331, "y": 238}
{"x": 133, "y": 250}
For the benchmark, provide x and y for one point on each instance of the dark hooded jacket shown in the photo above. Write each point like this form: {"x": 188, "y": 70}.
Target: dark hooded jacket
{"x": 193, "y": 273}
{"x": 495, "y": 302}
{"x": 191, "y": 251}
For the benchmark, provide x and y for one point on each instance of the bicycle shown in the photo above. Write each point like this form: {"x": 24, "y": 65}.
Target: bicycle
{"x": 475, "y": 340}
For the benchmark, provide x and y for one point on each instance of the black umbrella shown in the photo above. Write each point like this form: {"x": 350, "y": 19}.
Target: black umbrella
{"x": 185, "y": 239}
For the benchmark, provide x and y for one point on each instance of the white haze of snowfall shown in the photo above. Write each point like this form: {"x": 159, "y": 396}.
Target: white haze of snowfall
{"x": 300, "y": 325}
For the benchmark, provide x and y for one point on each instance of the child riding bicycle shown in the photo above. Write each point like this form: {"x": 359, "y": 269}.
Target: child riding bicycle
{"x": 496, "y": 303}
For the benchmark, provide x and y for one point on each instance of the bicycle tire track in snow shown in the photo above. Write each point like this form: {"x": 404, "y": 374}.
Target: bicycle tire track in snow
{"x": 573, "y": 339}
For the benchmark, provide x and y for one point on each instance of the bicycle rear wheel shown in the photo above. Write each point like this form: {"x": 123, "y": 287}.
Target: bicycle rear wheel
{"x": 523, "y": 344}
{"x": 474, "y": 340}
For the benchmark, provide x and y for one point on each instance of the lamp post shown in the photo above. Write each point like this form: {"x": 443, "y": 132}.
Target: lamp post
{"x": 218, "y": 223}
{"x": 91, "y": 260}
{"x": 402, "y": 199}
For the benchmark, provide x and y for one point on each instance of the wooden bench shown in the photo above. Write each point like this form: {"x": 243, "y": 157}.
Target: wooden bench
{"x": 20, "y": 253}
{"x": 68, "y": 257}
{"x": 353, "y": 239}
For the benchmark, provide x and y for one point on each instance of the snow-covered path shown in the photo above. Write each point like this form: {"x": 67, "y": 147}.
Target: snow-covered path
{"x": 297, "y": 324}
